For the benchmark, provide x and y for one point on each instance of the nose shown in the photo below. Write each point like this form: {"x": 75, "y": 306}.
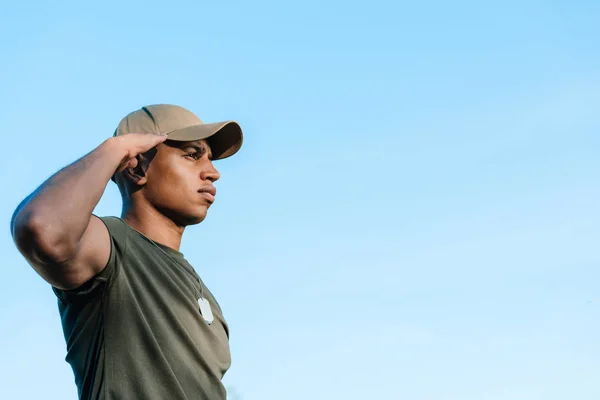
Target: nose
{"x": 209, "y": 172}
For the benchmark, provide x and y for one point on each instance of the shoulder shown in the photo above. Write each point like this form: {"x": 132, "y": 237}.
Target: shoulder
{"x": 118, "y": 229}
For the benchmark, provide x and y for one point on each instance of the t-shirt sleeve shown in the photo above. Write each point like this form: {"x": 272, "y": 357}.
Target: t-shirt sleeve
{"x": 117, "y": 230}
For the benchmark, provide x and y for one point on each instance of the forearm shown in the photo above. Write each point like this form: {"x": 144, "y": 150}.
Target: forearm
{"x": 61, "y": 208}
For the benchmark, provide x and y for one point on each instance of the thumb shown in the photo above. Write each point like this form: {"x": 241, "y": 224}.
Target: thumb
{"x": 132, "y": 163}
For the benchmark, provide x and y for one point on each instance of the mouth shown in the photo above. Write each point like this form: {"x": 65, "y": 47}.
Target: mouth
{"x": 209, "y": 193}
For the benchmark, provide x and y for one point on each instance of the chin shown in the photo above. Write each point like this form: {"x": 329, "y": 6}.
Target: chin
{"x": 195, "y": 221}
{"x": 187, "y": 217}
{"x": 196, "y": 217}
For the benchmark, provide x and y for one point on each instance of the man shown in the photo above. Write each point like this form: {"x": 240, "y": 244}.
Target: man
{"x": 138, "y": 321}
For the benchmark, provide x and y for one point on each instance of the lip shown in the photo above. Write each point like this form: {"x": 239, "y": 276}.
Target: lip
{"x": 209, "y": 192}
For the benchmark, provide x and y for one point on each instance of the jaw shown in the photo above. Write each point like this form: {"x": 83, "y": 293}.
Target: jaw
{"x": 192, "y": 217}
{"x": 176, "y": 205}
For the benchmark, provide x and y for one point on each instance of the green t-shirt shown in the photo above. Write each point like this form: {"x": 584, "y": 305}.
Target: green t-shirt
{"x": 135, "y": 331}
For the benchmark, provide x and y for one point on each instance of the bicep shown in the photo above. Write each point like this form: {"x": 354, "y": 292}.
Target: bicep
{"x": 90, "y": 258}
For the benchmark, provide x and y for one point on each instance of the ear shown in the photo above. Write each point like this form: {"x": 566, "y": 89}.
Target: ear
{"x": 136, "y": 171}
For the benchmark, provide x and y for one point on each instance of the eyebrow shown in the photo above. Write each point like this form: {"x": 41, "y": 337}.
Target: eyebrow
{"x": 199, "y": 147}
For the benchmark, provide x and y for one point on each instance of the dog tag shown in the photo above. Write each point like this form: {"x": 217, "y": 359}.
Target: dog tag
{"x": 205, "y": 310}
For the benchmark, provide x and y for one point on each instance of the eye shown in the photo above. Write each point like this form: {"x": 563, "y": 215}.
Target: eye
{"x": 194, "y": 155}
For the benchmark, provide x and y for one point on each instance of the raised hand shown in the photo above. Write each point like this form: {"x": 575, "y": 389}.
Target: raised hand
{"x": 135, "y": 144}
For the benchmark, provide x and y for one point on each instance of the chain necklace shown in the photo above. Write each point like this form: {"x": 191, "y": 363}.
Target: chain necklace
{"x": 203, "y": 303}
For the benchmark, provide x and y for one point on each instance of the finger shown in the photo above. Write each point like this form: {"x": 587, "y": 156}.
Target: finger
{"x": 154, "y": 140}
{"x": 144, "y": 136}
{"x": 142, "y": 142}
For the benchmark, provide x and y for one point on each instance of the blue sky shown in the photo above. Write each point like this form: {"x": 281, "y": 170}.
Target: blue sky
{"x": 413, "y": 213}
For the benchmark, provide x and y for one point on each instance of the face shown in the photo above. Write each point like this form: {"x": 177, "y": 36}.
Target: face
{"x": 179, "y": 181}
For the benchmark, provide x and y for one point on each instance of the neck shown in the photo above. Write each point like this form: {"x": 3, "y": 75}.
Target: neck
{"x": 152, "y": 224}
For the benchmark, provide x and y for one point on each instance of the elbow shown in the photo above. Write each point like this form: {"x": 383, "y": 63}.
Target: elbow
{"x": 38, "y": 238}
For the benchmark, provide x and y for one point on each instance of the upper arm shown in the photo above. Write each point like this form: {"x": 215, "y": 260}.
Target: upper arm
{"x": 87, "y": 259}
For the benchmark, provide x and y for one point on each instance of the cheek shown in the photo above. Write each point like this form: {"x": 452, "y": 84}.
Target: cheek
{"x": 171, "y": 184}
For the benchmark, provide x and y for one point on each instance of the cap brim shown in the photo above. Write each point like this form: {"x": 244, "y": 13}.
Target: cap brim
{"x": 224, "y": 138}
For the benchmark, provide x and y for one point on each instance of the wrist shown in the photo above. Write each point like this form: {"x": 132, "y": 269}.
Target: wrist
{"x": 113, "y": 149}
